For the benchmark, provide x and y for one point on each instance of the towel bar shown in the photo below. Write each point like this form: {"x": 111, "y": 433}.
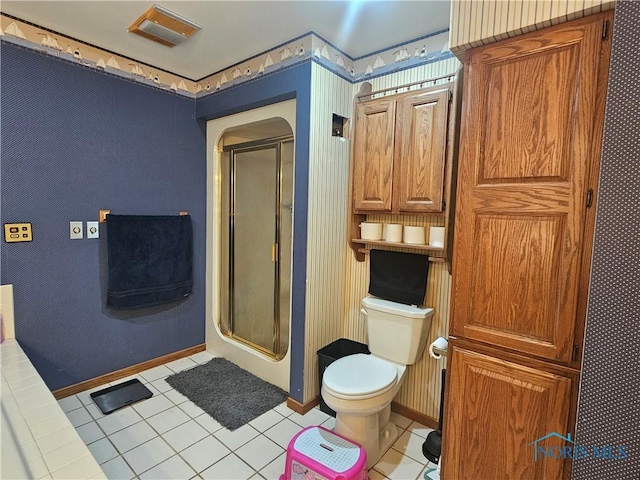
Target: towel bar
{"x": 102, "y": 215}
{"x": 431, "y": 259}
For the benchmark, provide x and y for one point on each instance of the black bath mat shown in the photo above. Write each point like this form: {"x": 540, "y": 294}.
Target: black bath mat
{"x": 121, "y": 395}
{"x": 231, "y": 395}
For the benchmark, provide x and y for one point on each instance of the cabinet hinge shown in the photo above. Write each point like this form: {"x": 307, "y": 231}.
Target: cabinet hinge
{"x": 444, "y": 205}
{"x": 450, "y": 95}
{"x": 605, "y": 30}
{"x": 575, "y": 353}
{"x": 589, "y": 197}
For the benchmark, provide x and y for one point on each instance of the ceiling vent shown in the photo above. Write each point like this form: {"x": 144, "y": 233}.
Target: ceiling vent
{"x": 162, "y": 26}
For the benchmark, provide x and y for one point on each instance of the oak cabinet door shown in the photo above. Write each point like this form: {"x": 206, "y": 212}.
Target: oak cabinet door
{"x": 421, "y": 129}
{"x": 525, "y": 154}
{"x": 373, "y": 156}
{"x": 495, "y": 412}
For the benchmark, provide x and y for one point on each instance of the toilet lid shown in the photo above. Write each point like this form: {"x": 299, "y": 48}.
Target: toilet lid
{"x": 359, "y": 374}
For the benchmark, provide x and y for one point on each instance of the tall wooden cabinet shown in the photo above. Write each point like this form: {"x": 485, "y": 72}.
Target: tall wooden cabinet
{"x": 532, "y": 121}
{"x": 501, "y": 407}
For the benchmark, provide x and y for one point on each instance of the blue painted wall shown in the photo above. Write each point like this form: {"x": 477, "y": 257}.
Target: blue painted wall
{"x": 294, "y": 82}
{"x": 75, "y": 141}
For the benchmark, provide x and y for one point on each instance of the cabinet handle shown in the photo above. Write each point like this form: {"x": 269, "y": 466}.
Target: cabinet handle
{"x": 589, "y": 197}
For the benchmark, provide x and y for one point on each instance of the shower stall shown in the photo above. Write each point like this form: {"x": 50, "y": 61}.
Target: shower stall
{"x": 255, "y": 241}
{"x": 250, "y": 235}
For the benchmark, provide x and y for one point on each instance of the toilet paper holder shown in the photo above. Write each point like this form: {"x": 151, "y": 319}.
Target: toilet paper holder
{"x": 439, "y": 348}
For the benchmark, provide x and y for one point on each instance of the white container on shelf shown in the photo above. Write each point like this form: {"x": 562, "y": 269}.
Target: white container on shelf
{"x": 414, "y": 235}
{"x": 436, "y": 236}
{"x": 393, "y": 232}
{"x": 370, "y": 231}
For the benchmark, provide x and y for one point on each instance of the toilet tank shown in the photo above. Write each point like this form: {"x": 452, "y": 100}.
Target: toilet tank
{"x": 396, "y": 331}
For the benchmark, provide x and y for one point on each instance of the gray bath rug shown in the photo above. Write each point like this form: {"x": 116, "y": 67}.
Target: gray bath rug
{"x": 231, "y": 395}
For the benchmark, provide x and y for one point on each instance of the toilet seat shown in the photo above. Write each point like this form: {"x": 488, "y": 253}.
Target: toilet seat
{"x": 360, "y": 376}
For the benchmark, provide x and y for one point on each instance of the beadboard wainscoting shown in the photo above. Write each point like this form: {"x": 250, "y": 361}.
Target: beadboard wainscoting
{"x": 420, "y": 391}
{"x": 475, "y": 22}
{"x": 336, "y": 282}
{"x": 327, "y": 220}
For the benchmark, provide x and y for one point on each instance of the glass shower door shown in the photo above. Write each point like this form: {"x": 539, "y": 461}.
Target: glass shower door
{"x": 254, "y": 243}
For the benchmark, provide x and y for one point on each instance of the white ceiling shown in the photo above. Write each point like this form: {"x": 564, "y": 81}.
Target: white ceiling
{"x": 235, "y": 30}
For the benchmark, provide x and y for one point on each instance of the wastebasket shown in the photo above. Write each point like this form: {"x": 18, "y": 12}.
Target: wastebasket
{"x": 332, "y": 352}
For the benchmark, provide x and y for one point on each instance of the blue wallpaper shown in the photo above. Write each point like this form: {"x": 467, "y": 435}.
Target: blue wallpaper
{"x": 609, "y": 403}
{"x": 285, "y": 84}
{"x": 75, "y": 141}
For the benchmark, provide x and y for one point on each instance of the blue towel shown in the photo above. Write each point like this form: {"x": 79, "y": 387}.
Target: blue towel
{"x": 150, "y": 260}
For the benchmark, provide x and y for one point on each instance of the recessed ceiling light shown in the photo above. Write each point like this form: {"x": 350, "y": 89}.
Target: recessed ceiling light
{"x": 162, "y": 26}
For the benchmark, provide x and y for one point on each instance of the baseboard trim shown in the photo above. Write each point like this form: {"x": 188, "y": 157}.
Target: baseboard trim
{"x": 414, "y": 415}
{"x": 302, "y": 408}
{"x": 125, "y": 372}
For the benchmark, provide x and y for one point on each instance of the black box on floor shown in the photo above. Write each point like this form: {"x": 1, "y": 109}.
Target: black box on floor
{"x": 121, "y": 395}
{"x": 332, "y": 352}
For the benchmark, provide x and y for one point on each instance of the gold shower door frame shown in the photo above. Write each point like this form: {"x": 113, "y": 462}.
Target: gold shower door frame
{"x": 231, "y": 318}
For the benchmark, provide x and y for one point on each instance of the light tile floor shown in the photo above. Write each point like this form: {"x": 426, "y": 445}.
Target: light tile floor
{"x": 169, "y": 437}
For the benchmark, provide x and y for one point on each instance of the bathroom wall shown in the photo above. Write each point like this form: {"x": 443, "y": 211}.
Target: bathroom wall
{"x": 48, "y": 42}
{"x": 75, "y": 140}
{"x": 608, "y": 410}
{"x": 476, "y": 23}
{"x": 327, "y": 224}
{"x": 421, "y": 389}
{"x": 327, "y": 294}
{"x": 337, "y": 283}
{"x": 285, "y": 84}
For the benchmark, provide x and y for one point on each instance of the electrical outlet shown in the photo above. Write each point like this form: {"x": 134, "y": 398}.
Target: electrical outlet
{"x": 93, "y": 230}
{"x": 75, "y": 230}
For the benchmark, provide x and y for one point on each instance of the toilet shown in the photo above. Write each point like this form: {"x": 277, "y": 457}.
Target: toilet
{"x": 360, "y": 387}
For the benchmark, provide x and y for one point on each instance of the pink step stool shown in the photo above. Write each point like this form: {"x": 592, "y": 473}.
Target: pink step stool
{"x": 316, "y": 453}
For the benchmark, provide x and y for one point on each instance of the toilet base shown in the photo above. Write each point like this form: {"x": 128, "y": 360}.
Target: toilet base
{"x": 375, "y": 433}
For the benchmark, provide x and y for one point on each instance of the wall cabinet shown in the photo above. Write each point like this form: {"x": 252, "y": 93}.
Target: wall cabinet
{"x": 529, "y": 156}
{"x": 373, "y": 154}
{"x": 403, "y": 156}
{"x": 399, "y": 152}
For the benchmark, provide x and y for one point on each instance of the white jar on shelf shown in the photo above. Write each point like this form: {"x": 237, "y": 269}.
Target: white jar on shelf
{"x": 393, "y": 232}
{"x": 414, "y": 235}
{"x": 370, "y": 231}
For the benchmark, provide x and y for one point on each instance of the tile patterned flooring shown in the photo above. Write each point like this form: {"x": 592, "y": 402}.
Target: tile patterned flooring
{"x": 169, "y": 437}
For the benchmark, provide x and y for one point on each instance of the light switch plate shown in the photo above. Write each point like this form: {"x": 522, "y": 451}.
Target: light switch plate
{"x": 17, "y": 232}
{"x": 75, "y": 230}
{"x": 93, "y": 231}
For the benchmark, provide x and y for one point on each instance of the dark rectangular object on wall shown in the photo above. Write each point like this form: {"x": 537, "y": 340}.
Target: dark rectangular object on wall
{"x": 112, "y": 398}
{"x": 150, "y": 260}
{"x": 398, "y": 277}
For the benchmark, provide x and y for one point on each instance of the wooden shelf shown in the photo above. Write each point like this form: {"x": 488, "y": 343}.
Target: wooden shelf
{"x": 413, "y": 246}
